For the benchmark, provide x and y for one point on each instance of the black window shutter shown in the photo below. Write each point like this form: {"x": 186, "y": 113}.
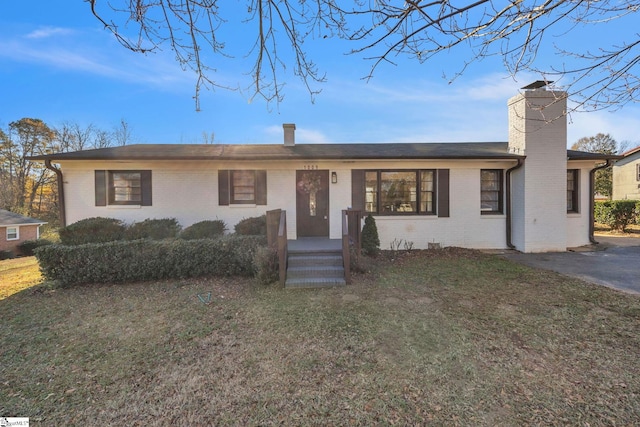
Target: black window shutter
{"x": 101, "y": 188}
{"x": 145, "y": 187}
{"x": 223, "y": 187}
{"x": 357, "y": 189}
{"x": 443, "y": 193}
{"x": 261, "y": 187}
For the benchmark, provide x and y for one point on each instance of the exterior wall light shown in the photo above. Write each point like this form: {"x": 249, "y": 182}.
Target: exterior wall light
{"x": 334, "y": 178}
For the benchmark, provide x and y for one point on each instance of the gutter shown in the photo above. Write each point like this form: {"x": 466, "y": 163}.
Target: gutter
{"x": 61, "y": 201}
{"x": 508, "y": 207}
{"x": 592, "y": 202}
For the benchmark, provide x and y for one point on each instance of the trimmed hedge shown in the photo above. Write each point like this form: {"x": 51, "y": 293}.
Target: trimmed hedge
{"x": 6, "y": 255}
{"x": 210, "y": 229}
{"x": 140, "y": 260}
{"x": 28, "y": 246}
{"x": 156, "y": 229}
{"x": 617, "y": 214}
{"x": 93, "y": 230}
{"x": 254, "y": 226}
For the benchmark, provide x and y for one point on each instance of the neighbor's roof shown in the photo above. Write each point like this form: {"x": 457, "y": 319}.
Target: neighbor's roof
{"x": 11, "y": 218}
{"x": 631, "y": 152}
{"x": 393, "y": 151}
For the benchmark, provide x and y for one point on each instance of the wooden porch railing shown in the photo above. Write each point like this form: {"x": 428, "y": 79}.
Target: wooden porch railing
{"x": 351, "y": 230}
{"x": 277, "y": 239}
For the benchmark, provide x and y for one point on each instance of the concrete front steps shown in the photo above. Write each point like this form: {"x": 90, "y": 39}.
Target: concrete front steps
{"x": 315, "y": 269}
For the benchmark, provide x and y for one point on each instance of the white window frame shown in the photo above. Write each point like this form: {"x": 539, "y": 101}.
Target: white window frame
{"x": 17, "y": 233}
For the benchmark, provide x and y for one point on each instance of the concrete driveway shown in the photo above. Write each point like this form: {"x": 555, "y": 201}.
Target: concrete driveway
{"x": 615, "y": 262}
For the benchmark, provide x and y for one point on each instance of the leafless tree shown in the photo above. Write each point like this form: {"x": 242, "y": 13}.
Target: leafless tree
{"x": 73, "y": 137}
{"x": 122, "y": 133}
{"x": 596, "y": 76}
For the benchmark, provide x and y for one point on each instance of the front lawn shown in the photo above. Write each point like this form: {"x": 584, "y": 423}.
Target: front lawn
{"x": 18, "y": 274}
{"x": 450, "y": 337}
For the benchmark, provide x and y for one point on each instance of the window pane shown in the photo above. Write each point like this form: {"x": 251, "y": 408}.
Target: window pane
{"x": 490, "y": 190}
{"x": 243, "y": 186}
{"x": 12, "y": 233}
{"x": 371, "y": 192}
{"x": 426, "y": 191}
{"x": 126, "y": 187}
{"x": 398, "y": 191}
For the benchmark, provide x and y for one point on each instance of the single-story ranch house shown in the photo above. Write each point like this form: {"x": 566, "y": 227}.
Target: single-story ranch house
{"x": 16, "y": 229}
{"x": 529, "y": 193}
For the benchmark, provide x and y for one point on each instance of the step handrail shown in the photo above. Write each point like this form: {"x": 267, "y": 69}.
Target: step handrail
{"x": 351, "y": 231}
{"x": 277, "y": 239}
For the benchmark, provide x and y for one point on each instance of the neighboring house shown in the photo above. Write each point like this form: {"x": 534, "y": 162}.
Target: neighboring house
{"x": 626, "y": 176}
{"x": 15, "y": 229}
{"x": 529, "y": 193}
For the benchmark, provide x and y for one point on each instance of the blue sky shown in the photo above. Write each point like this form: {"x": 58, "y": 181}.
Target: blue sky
{"x": 59, "y": 65}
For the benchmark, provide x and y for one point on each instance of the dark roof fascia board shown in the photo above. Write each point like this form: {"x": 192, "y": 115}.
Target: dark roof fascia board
{"x": 435, "y": 151}
{"x": 584, "y": 155}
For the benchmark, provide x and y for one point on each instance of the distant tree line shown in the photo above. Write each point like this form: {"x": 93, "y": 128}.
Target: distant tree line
{"x": 29, "y": 188}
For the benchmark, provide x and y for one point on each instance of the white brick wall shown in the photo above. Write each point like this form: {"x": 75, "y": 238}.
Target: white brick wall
{"x": 189, "y": 192}
{"x": 538, "y": 130}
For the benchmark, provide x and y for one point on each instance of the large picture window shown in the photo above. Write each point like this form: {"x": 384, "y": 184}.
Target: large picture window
{"x": 572, "y": 190}
{"x": 397, "y": 192}
{"x": 491, "y": 191}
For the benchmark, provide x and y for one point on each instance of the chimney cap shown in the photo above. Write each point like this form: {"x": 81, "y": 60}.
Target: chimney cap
{"x": 538, "y": 84}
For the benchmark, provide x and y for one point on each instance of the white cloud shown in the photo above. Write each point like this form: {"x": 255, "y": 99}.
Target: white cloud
{"x": 46, "y": 32}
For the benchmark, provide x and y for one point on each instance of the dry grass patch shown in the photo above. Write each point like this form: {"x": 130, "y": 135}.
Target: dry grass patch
{"x": 18, "y": 274}
{"x": 450, "y": 337}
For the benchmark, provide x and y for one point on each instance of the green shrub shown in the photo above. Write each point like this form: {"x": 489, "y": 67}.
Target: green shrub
{"x": 204, "y": 230}
{"x": 93, "y": 230}
{"x": 370, "y": 239}
{"x": 28, "y": 246}
{"x": 617, "y": 214}
{"x": 139, "y": 260}
{"x": 255, "y": 226}
{"x": 156, "y": 229}
{"x": 6, "y": 255}
{"x": 266, "y": 265}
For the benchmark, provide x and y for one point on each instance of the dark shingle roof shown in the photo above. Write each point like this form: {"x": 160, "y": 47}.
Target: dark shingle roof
{"x": 392, "y": 151}
{"x": 491, "y": 150}
{"x": 11, "y": 218}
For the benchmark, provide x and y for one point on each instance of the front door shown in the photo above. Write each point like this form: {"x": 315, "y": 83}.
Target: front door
{"x": 312, "y": 203}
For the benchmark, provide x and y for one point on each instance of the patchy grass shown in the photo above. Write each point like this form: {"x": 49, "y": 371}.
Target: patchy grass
{"x": 448, "y": 337}
{"x": 18, "y": 274}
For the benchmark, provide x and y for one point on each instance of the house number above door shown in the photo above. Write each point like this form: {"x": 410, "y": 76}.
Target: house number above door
{"x": 310, "y": 167}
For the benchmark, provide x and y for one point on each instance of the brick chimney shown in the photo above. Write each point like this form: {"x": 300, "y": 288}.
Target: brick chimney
{"x": 538, "y": 130}
{"x": 289, "y": 134}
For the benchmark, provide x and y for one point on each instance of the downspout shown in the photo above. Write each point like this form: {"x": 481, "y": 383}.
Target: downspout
{"x": 592, "y": 181}
{"x": 58, "y": 172}
{"x": 508, "y": 208}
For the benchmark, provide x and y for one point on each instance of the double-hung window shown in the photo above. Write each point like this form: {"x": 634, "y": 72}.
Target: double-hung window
{"x": 638, "y": 172}
{"x": 242, "y": 187}
{"x": 572, "y": 190}
{"x": 491, "y": 191}
{"x": 397, "y": 192}
{"x": 123, "y": 187}
{"x": 13, "y": 233}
